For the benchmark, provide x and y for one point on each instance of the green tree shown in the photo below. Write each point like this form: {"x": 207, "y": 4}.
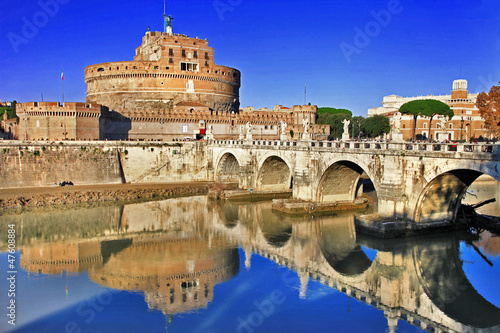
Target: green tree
{"x": 425, "y": 108}
{"x": 376, "y": 126}
{"x": 334, "y": 118}
{"x": 328, "y": 110}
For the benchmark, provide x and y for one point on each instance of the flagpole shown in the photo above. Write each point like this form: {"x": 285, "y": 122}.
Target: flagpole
{"x": 62, "y": 82}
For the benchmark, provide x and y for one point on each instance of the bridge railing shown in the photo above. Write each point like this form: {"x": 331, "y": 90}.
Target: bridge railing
{"x": 431, "y": 147}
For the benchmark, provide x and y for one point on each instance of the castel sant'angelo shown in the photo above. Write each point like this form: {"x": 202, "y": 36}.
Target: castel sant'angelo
{"x": 172, "y": 90}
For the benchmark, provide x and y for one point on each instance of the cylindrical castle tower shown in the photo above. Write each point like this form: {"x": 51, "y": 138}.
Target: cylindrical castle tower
{"x": 167, "y": 69}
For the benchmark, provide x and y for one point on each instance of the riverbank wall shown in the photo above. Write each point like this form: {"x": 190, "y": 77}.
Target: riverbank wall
{"x": 42, "y": 164}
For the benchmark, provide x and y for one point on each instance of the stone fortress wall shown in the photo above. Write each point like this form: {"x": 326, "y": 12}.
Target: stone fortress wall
{"x": 52, "y": 121}
{"x": 166, "y": 70}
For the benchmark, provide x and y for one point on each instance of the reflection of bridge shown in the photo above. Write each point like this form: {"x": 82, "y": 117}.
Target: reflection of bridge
{"x": 420, "y": 281}
{"x": 421, "y": 182}
{"x": 176, "y": 258}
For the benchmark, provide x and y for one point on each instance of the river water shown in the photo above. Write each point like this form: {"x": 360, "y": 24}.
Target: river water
{"x": 195, "y": 265}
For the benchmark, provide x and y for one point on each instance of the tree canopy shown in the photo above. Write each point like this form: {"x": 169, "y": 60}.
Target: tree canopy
{"x": 11, "y": 111}
{"x": 376, "y": 126}
{"x": 328, "y": 110}
{"x": 335, "y": 122}
{"x": 426, "y": 108}
{"x": 489, "y": 107}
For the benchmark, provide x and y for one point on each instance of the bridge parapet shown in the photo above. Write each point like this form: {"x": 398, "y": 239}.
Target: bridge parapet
{"x": 470, "y": 150}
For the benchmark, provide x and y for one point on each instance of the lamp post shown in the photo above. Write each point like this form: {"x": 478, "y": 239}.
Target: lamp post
{"x": 231, "y": 124}
{"x": 461, "y": 128}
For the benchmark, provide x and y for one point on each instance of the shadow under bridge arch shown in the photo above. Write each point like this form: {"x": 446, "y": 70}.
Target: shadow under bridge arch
{"x": 228, "y": 169}
{"x": 274, "y": 175}
{"x": 442, "y": 196}
{"x": 340, "y": 182}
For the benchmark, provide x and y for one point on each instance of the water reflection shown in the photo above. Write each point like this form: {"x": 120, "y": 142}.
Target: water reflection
{"x": 175, "y": 252}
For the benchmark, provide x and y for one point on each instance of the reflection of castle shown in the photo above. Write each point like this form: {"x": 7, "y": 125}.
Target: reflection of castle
{"x": 55, "y": 258}
{"x": 176, "y": 274}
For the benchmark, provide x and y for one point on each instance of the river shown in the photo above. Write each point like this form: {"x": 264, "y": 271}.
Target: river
{"x": 196, "y": 265}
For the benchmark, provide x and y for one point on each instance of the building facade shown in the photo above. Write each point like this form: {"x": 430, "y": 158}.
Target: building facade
{"x": 53, "y": 121}
{"x": 467, "y": 123}
{"x": 167, "y": 69}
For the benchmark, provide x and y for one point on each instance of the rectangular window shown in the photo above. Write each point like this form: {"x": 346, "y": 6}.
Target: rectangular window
{"x": 184, "y": 53}
{"x": 206, "y": 55}
{"x": 206, "y": 63}
{"x": 189, "y": 66}
{"x": 170, "y": 61}
{"x": 184, "y": 128}
{"x": 171, "y": 52}
{"x": 195, "y": 54}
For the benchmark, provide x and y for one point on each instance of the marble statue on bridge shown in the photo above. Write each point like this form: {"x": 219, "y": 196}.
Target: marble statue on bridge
{"x": 283, "y": 136}
{"x": 249, "y": 131}
{"x": 345, "y": 135}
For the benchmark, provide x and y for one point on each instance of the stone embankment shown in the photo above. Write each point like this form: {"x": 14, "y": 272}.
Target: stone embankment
{"x": 126, "y": 192}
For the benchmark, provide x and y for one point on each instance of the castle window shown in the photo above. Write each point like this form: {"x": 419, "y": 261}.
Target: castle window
{"x": 206, "y": 63}
{"x": 451, "y": 126}
{"x": 167, "y": 67}
{"x": 100, "y": 69}
{"x": 170, "y": 61}
{"x": 195, "y": 54}
{"x": 171, "y": 52}
{"x": 206, "y": 55}
{"x": 188, "y": 66}
{"x": 126, "y": 67}
{"x": 156, "y": 67}
{"x": 184, "y": 53}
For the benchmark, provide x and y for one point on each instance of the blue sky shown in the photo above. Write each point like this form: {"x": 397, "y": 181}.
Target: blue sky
{"x": 350, "y": 53}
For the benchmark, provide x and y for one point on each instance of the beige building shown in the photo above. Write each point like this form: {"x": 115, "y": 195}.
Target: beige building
{"x": 466, "y": 124}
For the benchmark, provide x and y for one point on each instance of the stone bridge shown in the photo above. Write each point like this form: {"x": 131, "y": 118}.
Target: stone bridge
{"x": 421, "y": 182}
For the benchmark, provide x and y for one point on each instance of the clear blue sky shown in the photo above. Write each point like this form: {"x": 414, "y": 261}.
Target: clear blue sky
{"x": 279, "y": 46}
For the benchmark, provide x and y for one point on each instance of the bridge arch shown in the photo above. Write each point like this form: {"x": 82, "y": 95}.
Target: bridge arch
{"x": 438, "y": 267}
{"x": 438, "y": 195}
{"x": 274, "y": 173}
{"x": 338, "y": 244}
{"x": 228, "y": 167}
{"x": 340, "y": 180}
